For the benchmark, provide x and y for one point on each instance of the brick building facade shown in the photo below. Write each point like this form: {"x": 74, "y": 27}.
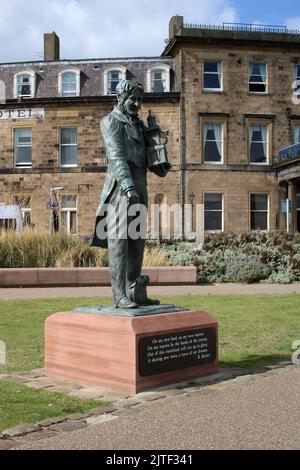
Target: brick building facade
{"x": 225, "y": 97}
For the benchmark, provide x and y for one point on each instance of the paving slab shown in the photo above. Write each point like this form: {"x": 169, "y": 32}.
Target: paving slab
{"x": 6, "y": 444}
{"x": 67, "y": 426}
{"x": 254, "y": 414}
{"x": 35, "y": 436}
{"x": 20, "y": 430}
{"x": 100, "y": 419}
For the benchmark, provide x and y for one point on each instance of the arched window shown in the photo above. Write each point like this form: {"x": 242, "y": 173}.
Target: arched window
{"x": 24, "y": 85}
{"x": 114, "y": 77}
{"x": 111, "y": 79}
{"x": 158, "y": 79}
{"x": 69, "y": 82}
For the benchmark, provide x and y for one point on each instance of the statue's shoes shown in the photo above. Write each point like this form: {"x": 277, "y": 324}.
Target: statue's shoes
{"x": 151, "y": 302}
{"x": 124, "y": 302}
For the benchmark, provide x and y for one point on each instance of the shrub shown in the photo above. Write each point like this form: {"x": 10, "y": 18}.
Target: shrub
{"x": 246, "y": 269}
{"x": 271, "y": 257}
{"x": 282, "y": 276}
{"x": 210, "y": 265}
{"x": 178, "y": 254}
{"x": 279, "y": 252}
{"x": 245, "y": 257}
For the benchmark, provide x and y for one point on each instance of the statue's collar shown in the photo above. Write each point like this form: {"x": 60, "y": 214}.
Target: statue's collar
{"x": 117, "y": 113}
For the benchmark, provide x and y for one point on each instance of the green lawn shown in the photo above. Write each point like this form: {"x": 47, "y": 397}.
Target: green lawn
{"x": 254, "y": 331}
{"x": 20, "y": 404}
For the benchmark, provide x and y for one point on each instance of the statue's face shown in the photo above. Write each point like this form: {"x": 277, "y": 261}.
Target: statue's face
{"x": 133, "y": 103}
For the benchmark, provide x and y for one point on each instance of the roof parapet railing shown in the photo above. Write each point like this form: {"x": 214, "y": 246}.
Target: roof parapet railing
{"x": 244, "y": 27}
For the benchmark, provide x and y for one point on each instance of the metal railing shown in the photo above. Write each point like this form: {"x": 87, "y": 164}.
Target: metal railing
{"x": 244, "y": 27}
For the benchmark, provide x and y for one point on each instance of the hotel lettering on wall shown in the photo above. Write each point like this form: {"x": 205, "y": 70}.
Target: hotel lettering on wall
{"x": 22, "y": 113}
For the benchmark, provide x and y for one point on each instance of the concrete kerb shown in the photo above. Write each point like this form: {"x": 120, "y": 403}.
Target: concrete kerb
{"x": 122, "y": 404}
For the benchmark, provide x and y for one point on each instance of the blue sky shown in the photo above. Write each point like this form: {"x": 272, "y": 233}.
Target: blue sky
{"x": 132, "y": 28}
{"x": 267, "y": 11}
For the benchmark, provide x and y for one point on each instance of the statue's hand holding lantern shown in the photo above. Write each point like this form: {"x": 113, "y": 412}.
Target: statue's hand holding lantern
{"x": 156, "y": 148}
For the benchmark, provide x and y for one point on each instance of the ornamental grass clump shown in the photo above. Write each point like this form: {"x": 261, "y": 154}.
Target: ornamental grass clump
{"x": 38, "y": 249}
{"x": 29, "y": 249}
{"x": 154, "y": 256}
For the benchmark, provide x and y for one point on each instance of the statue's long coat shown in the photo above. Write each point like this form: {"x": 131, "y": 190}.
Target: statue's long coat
{"x": 126, "y": 162}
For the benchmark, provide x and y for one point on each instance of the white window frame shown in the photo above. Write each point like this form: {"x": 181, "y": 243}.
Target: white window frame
{"x": 68, "y": 211}
{"x": 207, "y": 162}
{"x": 24, "y": 210}
{"x": 166, "y": 69}
{"x": 296, "y": 76}
{"x": 214, "y": 210}
{"x": 216, "y": 90}
{"x": 32, "y": 83}
{"x": 266, "y": 83}
{"x": 268, "y": 212}
{"x": 267, "y": 162}
{"x": 106, "y": 72}
{"x": 295, "y": 128}
{"x": 60, "y": 82}
{"x": 73, "y": 165}
{"x": 21, "y": 165}
{"x": 2, "y": 92}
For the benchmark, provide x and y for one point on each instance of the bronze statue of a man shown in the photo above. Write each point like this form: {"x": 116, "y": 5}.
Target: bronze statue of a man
{"x": 126, "y": 140}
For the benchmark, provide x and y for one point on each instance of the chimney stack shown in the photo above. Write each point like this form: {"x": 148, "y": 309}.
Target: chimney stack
{"x": 51, "y": 46}
{"x": 176, "y": 22}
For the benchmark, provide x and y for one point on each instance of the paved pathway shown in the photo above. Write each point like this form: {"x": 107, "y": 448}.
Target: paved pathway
{"x": 216, "y": 289}
{"x": 260, "y": 411}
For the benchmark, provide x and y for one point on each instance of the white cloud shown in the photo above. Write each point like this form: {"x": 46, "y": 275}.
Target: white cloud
{"x": 293, "y": 23}
{"x": 99, "y": 28}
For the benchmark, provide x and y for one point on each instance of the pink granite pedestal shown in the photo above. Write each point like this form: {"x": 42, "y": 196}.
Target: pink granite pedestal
{"x": 130, "y": 354}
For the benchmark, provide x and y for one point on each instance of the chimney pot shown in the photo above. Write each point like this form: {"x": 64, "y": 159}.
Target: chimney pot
{"x": 51, "y": 46}
{"x": 175, "y": 23}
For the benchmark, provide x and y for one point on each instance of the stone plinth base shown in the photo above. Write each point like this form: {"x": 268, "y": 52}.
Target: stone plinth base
{"x": 131, "y": 354}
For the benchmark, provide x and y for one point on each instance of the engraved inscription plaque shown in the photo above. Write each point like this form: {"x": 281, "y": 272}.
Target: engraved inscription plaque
{"x": 178, "y": 350}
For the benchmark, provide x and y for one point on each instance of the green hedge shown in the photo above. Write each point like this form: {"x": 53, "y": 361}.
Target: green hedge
{"x": 247, "y": 257}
